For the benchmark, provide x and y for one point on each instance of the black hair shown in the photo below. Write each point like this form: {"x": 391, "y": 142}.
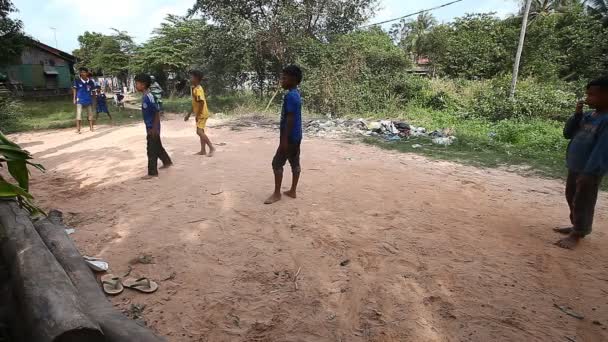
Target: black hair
{"x": 601, "y": 83}
{"x": 145, "y": 79}
{"x": 196, "y": 74}
{"x": 293, "y": 71}
{"x": 81, "y": 69}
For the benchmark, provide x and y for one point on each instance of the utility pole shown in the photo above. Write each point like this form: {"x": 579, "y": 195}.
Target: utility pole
{"x": 55, "y": 34}
{"x": 520, "y": 47}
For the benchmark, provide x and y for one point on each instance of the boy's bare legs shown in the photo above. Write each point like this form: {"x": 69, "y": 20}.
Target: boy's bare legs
{"x": 201, "y": 133}
{"x": 92, "y": 125}
{"x": 205, "y": 141}
{"x": 78, "y": 124}
{"x": 294, "y": 186}
{"x": 276, "y": 196}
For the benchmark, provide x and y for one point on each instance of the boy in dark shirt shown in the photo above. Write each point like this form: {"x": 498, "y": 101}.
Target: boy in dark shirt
{"x": 291, "y": 134}
{"x": 152, "y": 120}
{"x": 587, "y": 160}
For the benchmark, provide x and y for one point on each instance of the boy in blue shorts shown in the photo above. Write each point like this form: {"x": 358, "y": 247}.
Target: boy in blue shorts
{"x": 291, "y": 134}
{"x": 102, "y": 104}
{"x": 151, "y": 118}
{"x": 587, "y": 160}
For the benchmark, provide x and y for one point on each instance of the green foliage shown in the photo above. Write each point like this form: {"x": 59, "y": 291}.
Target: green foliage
{"x": 17, "y": 161}
{"x": 106, "y": 54}
{"x": 12, "y": 38}
{"x": 10, "y": 113}
{"x": 356, "y": 73}
{"x": 534, "y": 99}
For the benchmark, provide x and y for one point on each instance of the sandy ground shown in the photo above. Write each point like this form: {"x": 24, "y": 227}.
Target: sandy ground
{"x": 389, "y": 247}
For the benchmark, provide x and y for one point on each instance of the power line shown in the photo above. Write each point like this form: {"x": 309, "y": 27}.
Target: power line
{"x": 412, "y": 14}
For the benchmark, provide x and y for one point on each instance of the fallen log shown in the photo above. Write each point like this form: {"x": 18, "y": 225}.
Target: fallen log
{"x": 116, "y": 326}
{"x": 47, "y": 299}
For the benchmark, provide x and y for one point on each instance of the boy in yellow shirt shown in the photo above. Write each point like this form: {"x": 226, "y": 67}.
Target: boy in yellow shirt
{"x": 199, "y": 108}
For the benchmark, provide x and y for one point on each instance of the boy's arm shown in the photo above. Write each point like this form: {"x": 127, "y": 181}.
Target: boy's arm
{"x": 597, "y": 164}
{"x": 285, "y": 134}
{"x": 573, "y": 124}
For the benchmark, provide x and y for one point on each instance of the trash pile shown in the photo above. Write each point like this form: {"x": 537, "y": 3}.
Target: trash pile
{"x": 386, "y": 129}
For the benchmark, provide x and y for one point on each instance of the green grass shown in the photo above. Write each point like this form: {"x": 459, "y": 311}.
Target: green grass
{"x": 530, "y": 146}
{"x": 61, "y": 113}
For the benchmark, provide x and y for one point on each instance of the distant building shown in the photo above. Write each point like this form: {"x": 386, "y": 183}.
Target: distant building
{"x": 41, "y": 70}
{"x": 422, "y": 67}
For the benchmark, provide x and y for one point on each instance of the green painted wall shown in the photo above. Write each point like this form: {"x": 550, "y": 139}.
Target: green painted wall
{"x": 32, "y": 76}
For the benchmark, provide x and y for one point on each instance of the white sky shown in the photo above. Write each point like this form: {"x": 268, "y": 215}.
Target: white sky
{"x": 139, "y": 17}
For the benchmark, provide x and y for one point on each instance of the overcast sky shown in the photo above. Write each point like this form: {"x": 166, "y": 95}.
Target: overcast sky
{"x": 71, "y": 18}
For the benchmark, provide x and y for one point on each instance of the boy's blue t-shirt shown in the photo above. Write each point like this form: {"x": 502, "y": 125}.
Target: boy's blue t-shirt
{"x": 588, "y": 149}
{"x": 292, "y": 103}
{"x": 83, "y": 91}
{"x": 149, "y": 110}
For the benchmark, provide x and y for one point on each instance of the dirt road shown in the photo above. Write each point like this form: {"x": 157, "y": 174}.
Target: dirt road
{"x": 389, "y": 247}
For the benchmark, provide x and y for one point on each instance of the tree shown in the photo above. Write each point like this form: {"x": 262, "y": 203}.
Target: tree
{"x": 272, "y": 26}
{"x": 410, "y": 34}
{"x": 90, "y": 42}
{"x": 12, "y": 38}
{"x": 599, "y": 9}
{"x": 548, "y": 7}
{"x": 106, "y": 54}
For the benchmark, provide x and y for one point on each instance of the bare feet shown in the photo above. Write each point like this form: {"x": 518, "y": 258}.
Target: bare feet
{"x": 201, "y": 153}
{"x": 273, "y": 199}
{"x": 165, "y": 166}
{"x": 290, "y": 193}
{"x": 569, "y": 242}
{"x": 211, "y": 153}
{"x": 148, "y": 177}
{"x": 565, "y": 231}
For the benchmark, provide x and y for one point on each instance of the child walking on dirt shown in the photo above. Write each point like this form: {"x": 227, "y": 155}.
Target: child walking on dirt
{"x": 200, "y": 110}
{"x": 102, "y": 104}
{"x": 151, "y": 118}
{"x": 291, "y": 134}
{"x": 587, "y": 160}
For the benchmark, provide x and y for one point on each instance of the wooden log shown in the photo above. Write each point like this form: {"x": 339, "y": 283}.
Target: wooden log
{"x": 116, "y": 326}
{"x": 47, "y": 299}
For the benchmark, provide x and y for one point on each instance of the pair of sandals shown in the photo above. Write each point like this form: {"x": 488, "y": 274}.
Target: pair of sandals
{"x": 113, "y": 286}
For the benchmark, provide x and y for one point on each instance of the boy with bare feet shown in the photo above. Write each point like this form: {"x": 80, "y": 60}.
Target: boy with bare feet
{"x": 587, "y": 159}
{"x": 200, "y": 110}
{"x": 152, "y": 120}
{"x": 82, "y": 89}
{"x": 291, "y": 134}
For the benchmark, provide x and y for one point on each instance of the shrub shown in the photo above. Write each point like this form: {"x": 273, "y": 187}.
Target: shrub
{"x": 10, "y": 113}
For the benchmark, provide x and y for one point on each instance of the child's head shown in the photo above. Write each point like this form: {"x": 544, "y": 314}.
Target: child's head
{"x": 597, "y": 93}
{"x": 291, "y": 77}
{"x": 84, "y": 72}
{"x": 142, "y": 82}
{"x": 196, "y": 76}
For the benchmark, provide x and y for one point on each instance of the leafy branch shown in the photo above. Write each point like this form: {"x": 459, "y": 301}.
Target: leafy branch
{"x": 17, "y": 160}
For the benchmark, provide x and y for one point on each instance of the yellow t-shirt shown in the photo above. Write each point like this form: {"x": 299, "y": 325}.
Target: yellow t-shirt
{"x": 199, "y": 103}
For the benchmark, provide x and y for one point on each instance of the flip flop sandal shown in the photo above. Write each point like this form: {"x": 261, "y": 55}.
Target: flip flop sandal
{"x": 96, "y": 265}
{"x": 144, "y": 284}
{"x": 111, "y": 284}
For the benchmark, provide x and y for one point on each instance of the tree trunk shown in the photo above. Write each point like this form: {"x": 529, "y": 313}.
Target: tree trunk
{"x": 114, "y": 324}
{"x": 47, "y": 299}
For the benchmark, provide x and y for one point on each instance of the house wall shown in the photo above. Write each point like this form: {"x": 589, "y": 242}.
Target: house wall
{"x": 31, "y": 70}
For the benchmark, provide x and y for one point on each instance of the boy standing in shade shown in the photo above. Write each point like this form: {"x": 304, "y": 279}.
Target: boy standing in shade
{"x": 200, "y": 110}
{"x": 82, "y": 90}
{"x": 152, "y": 120}
{"x": 587, "y": 160}
{"x": 291, "y": 134}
